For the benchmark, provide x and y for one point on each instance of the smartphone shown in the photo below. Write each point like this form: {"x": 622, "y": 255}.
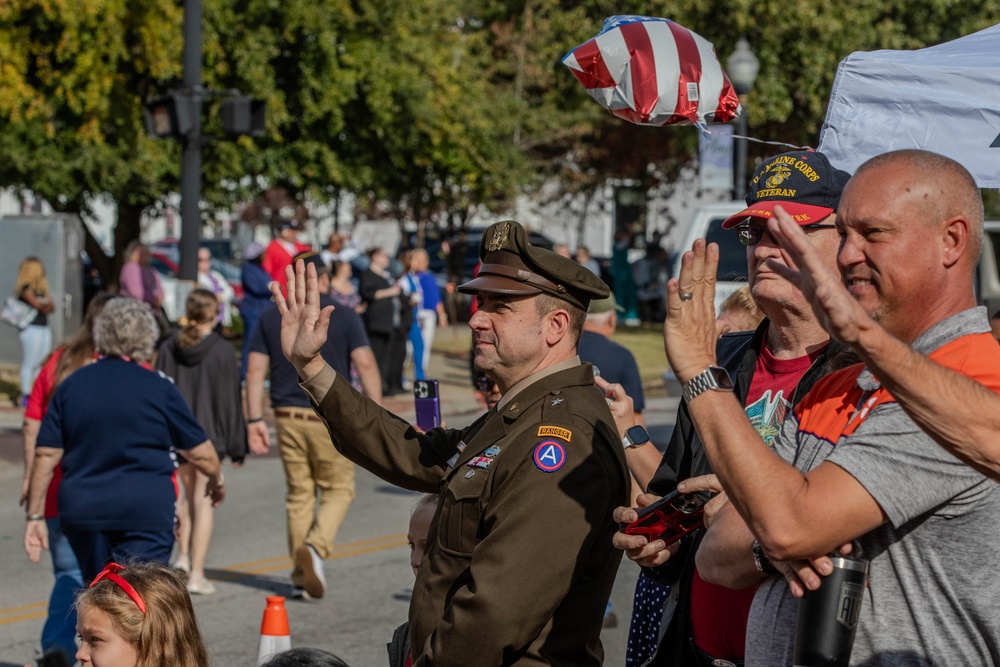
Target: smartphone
{"x": 427, "y": 404}
{"x": 670, "y": 518}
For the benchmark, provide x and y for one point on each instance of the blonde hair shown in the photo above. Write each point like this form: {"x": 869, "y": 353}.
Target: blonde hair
{"x": 740, "y": 304}
{"x": 202, "y": 306}
{"x": 31, "y": 275}
{"x": 167, "y": 634}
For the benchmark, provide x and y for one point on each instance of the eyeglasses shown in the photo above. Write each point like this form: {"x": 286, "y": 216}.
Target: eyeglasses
{"x": 750, "y": 235}
{"x": 111, "y": 573}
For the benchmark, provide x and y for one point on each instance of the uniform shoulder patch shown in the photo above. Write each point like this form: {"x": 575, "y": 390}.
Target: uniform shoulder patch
{"x": 555, "y": 432}
{"x": 549, "y": 456}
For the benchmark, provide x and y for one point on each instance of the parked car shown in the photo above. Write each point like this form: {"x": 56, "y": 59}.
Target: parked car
{"x": 222, "y": 249}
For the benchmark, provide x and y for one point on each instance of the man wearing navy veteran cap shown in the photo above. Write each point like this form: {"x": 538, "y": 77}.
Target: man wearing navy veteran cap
{"x": 519, "y": 563}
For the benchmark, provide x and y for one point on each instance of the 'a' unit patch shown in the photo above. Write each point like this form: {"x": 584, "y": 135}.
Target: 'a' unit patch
{"x": 549, "y": 456}
{"x": 555, "y": 432}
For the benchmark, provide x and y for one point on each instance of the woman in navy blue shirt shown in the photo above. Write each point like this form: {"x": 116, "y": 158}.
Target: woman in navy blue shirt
{"x": 116, "y": 427}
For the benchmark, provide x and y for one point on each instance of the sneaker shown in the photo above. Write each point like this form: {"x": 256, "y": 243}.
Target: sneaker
{"x": 299, "y": 594}
{"x": 200, "y": 586}
{"x": 182, "y": 564}
{"x": 311, "y": 564}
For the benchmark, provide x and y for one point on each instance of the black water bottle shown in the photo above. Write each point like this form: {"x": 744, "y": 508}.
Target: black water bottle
{"x": 828, "y": 616}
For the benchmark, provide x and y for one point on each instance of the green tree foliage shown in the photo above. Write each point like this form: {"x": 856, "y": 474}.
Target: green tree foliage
{"x": 435, "y": 107}
{"x": 72, "y": 77}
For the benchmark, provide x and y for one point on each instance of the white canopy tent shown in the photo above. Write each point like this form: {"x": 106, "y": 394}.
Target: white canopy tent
{"x": 944, "y": 98}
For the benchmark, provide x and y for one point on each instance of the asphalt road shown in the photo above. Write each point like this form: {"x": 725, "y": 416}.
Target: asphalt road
{"x": 368, "y": 576}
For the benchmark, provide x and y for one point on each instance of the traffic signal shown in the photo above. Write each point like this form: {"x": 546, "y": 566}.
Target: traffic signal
{"x": 169, "y": 116}
{"x": 243, "y": 115}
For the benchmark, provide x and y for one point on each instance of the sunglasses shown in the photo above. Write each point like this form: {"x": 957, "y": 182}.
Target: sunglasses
{"x": 750, "y": 235}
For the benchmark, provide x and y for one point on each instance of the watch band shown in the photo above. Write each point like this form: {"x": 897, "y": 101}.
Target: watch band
{"x": 761, "y": 561}
{"x": 713, "y": 377}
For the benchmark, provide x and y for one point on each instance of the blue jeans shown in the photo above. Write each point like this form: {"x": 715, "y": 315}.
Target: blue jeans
{"x": 59, "y": 631}
{"x": 96, "y": 548}
{"x": 36, "y": 343}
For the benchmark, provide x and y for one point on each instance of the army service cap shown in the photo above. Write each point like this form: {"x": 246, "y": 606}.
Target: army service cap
{"x": 513, "y": 266}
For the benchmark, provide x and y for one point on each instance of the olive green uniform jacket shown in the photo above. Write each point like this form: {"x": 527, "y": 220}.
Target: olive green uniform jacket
{"x": 519, "y": 563}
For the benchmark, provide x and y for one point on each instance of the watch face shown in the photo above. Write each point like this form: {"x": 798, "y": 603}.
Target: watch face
{"x": 721, "y": 377}
{"x": 637, "y": 435}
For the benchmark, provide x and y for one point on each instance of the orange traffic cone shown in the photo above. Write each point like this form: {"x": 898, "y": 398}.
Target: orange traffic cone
{"x": 274, "y": 633}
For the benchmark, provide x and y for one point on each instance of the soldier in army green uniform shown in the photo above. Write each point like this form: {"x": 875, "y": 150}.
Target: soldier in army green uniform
{"x": 519, "y": 563}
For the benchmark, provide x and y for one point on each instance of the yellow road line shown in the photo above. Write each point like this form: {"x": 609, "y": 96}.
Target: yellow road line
{"x": 236, "y": 572}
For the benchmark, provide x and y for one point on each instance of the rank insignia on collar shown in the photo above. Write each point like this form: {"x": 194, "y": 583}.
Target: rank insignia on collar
{"x": 555, "y": 432}
{"x": 549, "y": 456}
{"x": 558, "y": 401}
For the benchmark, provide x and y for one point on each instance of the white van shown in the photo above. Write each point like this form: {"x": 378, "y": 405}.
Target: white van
{"x": 988, "y": 271}
{"x": 707, "y": 224}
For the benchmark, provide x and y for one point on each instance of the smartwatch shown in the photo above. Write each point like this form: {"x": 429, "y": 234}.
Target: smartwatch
{"x": 713, "y": 377}
{"x": 635, "y": 436}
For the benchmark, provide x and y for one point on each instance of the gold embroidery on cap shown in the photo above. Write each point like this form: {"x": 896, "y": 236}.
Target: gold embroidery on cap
{"x": 499, "y": 237}
{"x": 555, "y": 432}
{"x": 780, "y": 175}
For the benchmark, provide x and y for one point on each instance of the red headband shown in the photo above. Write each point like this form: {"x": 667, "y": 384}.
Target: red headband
{"x": 110, "y": 572}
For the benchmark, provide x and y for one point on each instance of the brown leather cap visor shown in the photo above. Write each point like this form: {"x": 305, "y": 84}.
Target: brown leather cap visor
{"x": 506, "y": 280}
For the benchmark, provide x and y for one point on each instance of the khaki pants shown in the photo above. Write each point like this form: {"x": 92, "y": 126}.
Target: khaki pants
{"x": 312, "y": 466}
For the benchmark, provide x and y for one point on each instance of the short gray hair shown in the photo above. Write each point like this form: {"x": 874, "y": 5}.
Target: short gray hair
{"x": 126, "y": 328}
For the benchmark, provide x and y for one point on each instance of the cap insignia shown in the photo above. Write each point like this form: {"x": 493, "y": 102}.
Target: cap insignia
{"x": 499, "y": 237}
{"x": 780, "y": 175}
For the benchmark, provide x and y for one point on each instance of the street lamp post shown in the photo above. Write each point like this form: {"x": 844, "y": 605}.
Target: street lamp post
{"x": 742, "y": 67}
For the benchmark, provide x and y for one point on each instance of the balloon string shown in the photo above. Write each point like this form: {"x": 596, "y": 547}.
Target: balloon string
{"x": 704, "y": 130}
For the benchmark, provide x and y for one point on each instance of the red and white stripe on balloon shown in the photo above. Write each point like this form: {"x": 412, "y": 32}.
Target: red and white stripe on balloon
{"x": 653, "y": 71}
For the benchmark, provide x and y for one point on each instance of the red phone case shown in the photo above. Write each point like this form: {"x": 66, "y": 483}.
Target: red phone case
{"x": 670, "y": 518}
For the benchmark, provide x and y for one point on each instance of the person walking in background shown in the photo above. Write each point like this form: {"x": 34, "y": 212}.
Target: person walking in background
{"x": 412, "y": 291}
{"x": 429, "y": 311}
{"x": 203, "y": 367}
{"x": 311, "y": 465}
{"x": 382, "y": 312}
{"x": 32, "y": 288}
{"x": 585, "y": 260}
{"x": 342, "y": 288}
{"x": 256, "y": 296}
{"x": 334, "y": 245}
{"x": 280, "y": 251}
{"x": 623, "y": 276}
{"x": 116, "y": 427}
{"x": 138, "y": 279}
{"x": 216, "y": 283}
{"x": 59, "y": 630}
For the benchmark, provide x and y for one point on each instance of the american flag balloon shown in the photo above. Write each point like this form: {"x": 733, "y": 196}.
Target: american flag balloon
{"x": 653, "y": 71}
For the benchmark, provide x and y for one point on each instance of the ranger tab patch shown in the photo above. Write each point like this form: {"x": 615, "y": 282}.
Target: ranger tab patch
{"x": 555, "y": 432}
{"x": 549, "y": 456}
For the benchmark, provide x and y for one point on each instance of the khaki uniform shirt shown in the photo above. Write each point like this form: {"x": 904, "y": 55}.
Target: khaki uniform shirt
{"x": 519, "y": 563}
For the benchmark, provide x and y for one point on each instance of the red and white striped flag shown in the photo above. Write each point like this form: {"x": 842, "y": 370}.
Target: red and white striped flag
{"x": 653, "y": 71}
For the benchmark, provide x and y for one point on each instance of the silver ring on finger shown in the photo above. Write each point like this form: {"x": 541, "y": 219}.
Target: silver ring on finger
{"x": 686, "y": 296}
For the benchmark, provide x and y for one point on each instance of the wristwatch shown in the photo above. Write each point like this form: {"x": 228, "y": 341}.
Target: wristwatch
{"x": 635, "y": 436}
{"x": 713, "y": 377}
{"x": 761, "y": 561}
